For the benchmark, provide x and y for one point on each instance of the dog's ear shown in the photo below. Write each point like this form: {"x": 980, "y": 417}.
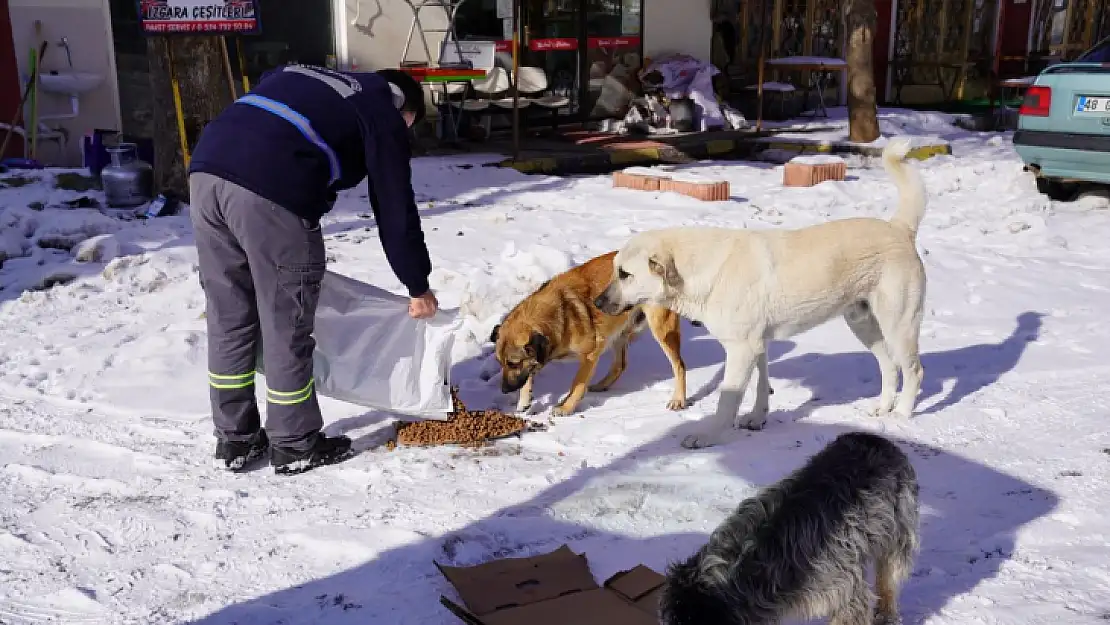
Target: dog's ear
{"x": 538, "y": 347}
{"x": 496, "y": 332}
{"x": 664, "y": 267}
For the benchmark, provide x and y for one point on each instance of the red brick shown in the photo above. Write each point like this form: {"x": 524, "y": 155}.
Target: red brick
{"x": 638, "y": 182}
{"x": 809, "y": 171}
{"x": 708, "y": 191}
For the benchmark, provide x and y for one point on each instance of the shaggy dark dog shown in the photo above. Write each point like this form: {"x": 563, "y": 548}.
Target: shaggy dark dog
{"x": 801, "y": 547}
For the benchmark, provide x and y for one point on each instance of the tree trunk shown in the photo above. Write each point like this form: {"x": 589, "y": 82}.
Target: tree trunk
{"x": 198, "y": 63}
{"x": 859, "y": 21}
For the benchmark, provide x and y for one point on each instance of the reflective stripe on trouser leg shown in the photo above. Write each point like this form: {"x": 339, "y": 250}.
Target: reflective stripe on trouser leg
{"x": 231, "y": 313}
{"x": 231, "y": 382}
{"x": 291, "y": 398}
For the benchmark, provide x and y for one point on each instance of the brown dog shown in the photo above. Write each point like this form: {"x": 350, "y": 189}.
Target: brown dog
{"x": 560, "y": 320}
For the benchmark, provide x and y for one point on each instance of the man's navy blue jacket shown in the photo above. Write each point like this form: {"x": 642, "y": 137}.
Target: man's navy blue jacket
{"x": 304, "y": 133}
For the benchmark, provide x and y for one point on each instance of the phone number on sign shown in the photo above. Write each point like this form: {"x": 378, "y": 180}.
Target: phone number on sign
{"x": 200, "y": 27}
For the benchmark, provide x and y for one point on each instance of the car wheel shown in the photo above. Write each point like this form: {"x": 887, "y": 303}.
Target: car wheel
{"x": 1056, "y": 190}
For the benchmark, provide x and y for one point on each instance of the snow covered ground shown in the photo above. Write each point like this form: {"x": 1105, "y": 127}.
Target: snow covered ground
{"x": 109, "y": 512}
{"x": 922, "y": 129}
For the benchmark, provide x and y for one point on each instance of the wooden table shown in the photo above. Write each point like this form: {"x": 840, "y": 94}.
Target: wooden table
{"x": 819, "y": 66}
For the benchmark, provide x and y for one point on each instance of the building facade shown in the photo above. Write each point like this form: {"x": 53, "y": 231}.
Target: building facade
{"x": 926, "y": 51}
{"x": 78, "y": 36}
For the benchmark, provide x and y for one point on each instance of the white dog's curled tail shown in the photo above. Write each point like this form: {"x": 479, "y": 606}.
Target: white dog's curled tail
{"x": 911, "y": 189}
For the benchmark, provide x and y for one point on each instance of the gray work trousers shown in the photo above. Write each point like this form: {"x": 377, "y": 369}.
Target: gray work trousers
{"x": 260, "y": 267}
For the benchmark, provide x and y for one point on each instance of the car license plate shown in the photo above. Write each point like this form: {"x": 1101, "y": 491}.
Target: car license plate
{"x": 1092, "y": 105}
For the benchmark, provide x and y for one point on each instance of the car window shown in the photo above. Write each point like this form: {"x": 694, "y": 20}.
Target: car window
{"x": 1098, "y": 54}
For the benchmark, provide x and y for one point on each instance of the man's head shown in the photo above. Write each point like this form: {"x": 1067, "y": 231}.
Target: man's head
{"x": 408, "y": 95}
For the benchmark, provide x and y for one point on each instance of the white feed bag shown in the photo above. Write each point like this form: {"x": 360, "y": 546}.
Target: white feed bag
{"x": 370, "y": 352}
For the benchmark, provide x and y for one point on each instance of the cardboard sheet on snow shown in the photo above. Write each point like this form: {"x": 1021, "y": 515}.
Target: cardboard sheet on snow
{"x": 552, "y": 589}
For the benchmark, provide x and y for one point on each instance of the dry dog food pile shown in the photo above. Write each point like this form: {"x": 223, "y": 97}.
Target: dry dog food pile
{"x": 462, "y": 427}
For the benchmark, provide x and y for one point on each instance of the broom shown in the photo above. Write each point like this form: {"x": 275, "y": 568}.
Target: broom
{"x": 36, "y": 64}
{"x": 19, "y": 110}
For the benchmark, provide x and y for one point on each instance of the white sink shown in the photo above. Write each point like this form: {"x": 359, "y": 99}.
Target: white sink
{"x": 70, "y": 83}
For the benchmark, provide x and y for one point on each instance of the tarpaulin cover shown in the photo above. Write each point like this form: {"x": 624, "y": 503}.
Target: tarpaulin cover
{"x": 685, "y": 76}
{"x": 370, "y": 352}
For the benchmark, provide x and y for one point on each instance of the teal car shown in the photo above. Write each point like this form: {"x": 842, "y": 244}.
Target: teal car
{"x": 1063, "y": 131}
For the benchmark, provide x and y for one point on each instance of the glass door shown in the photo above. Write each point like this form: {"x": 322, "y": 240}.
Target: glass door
{"x": 612, "y": 57}
{"x": 551, "y": 39}
{"x": 590, "y": 49}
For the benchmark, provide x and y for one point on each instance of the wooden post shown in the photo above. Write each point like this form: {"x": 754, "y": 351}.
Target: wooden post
{"x": 965, "y": 45}
{"x": 227, "y": 68}
{"x": 860, "y": 23}
{"x": 996, "y": 61}
{"x": 917, "y": 48}
{"x": 178, "y": 110}
{"x": 760, "y": 75}
{"x": 1089, "y": 30}
{"x": 940, "y": 52}
{"x": 776, "y": 28}
{"x": 740, "y": 55}
{"x": 807, "y": 44}
{"x": 516, "y": 73}
{"x": 242, "y": 64}
{"x": 36, "y": 70}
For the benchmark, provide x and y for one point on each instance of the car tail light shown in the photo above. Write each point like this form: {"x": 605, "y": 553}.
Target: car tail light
{"x": 1037, "y": 101}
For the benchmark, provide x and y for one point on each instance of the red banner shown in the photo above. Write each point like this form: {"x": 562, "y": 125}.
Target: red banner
{"x": 560, "y": 44}
{"x": 613, "y": 42}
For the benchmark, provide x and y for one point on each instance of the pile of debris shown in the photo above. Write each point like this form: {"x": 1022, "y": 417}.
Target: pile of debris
{"x": 678, "y": 97}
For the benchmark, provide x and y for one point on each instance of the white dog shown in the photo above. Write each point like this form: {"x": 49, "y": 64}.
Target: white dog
{"x": 752, "y": 286}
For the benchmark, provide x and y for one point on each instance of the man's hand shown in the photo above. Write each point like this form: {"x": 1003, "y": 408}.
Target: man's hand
{"x": 423, "y": 307}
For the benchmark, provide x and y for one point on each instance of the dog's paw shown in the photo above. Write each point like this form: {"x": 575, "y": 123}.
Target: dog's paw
{"x": 902, "y": 412}
{"x": 598, "y": 388}
{"x": 882, "y": 406}
{"x": 884, "y": 618}
{"x": 676, "y": 404}
{"x": 523, "y": 402}
{"x": 753, "y": 422}
{"x": 698, "y": 441}
{"x": 877, "y": 411}
{"x": 561, "y": 411}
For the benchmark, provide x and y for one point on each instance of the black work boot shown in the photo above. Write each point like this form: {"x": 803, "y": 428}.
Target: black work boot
{"x": 236, "y": 455}
{"x": 324, "y": 450}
